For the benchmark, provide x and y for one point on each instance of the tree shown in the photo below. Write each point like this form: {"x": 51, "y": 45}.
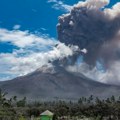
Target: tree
{"x": 112, "y": 99}
{"x": 21, "y": 103}
{"x": 3, "y": 101}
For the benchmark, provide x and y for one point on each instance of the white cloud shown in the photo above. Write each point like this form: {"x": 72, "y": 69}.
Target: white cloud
{"x": 92, "y": 4}
{"x": 110, "y": 76}
{"x": 15, "y": 64}
{"x": 24, "y": 38}
{"x": 29, "y": 56}
{"x": 15, "y": 27}
{"x": 113, "y": 12}
{"x": 59, "y": 5}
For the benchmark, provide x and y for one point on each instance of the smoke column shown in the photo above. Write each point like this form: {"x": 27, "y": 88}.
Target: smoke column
{"x": 93, "y": 26}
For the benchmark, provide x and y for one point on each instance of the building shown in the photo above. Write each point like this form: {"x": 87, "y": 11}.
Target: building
{"x": 47, "y": 115}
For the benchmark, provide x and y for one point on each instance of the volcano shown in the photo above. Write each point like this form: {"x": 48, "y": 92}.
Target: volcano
{"x": 49, "y": 83}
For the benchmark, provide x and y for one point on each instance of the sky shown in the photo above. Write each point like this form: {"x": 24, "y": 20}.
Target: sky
{"x": 28, "y": 28}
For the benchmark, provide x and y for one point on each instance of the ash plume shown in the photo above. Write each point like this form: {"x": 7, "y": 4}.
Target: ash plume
{"x": 92, "y": 26}
{"x": 95, "y": 27}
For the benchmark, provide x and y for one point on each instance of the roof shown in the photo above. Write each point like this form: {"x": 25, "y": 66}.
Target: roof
{"x": 47, "y": 112}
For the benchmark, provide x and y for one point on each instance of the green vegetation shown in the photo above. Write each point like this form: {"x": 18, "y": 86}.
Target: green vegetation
{"x": 92, "y": 108}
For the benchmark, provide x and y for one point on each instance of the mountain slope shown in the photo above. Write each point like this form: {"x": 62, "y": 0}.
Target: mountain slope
{"x": 49, "y": 83}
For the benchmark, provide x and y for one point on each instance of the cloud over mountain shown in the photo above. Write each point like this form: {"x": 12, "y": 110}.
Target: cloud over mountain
{"x": 33, "y": 51}
{"x": 93, "y": 26}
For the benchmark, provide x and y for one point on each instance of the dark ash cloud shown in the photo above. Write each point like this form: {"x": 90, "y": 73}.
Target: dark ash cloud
{"x": 89, "y": 25}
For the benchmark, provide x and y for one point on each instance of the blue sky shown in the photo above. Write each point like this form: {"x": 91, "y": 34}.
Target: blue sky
{"x": 28, "y": 19}
{"x": 30, "y": 14}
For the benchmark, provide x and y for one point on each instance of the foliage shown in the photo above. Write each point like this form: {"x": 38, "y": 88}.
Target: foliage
{"x": 91, "y": 107}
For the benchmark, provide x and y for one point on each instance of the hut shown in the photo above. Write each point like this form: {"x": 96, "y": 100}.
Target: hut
{"x": 47, "y": 115}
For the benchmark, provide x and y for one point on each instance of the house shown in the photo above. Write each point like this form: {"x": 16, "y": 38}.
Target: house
{"x": 47, "y": 115}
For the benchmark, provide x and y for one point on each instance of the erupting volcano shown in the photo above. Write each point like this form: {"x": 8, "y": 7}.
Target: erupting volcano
{"x": 84, "y": 61}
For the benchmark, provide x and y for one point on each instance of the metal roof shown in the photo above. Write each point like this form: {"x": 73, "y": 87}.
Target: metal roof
{"x": 47, "y": 112}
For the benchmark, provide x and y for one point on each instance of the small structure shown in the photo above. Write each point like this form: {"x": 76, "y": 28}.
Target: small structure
{"x": 47, "y": 115}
